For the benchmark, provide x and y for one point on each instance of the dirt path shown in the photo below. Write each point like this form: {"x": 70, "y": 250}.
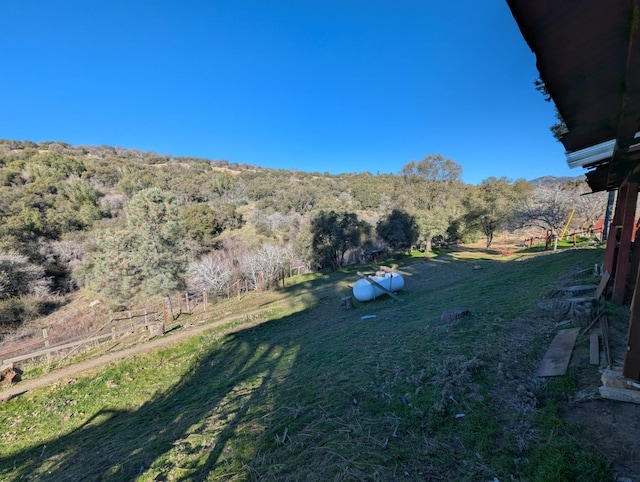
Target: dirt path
{"x": 74, "y": 370}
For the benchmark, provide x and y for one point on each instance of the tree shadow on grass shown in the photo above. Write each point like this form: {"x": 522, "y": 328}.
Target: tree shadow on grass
{"x": 216, "y": 422}
{"x": 317, "y": 395}
{"x": 191, "y": 424}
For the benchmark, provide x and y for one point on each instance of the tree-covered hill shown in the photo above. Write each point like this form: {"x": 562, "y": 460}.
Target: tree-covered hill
{"x": 128, "y": 224}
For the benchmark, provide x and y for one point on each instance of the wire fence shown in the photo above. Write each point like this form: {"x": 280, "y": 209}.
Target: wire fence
{"x": 548, "y": 238}
{"x": 64, "y": 339}
{"x": 58, "y": 339}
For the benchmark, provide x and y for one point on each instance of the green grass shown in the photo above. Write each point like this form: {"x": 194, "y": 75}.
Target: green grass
{"x": 565, "y": 243}
{"x": 563, "y": 456}
{"x": 317, "y": 393}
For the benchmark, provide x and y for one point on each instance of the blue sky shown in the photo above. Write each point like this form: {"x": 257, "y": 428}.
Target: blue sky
{"x": 313, "y": 85}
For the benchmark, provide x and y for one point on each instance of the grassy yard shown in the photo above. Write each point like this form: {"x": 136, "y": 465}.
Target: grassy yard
{"x": 312, "y": 391}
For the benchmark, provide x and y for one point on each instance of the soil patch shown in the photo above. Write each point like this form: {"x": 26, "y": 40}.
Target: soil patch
{"x": 613, "y": 427}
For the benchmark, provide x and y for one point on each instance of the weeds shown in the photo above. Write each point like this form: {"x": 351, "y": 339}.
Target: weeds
{"x": 560, "y": 455}
{"x": 308, "y": 387}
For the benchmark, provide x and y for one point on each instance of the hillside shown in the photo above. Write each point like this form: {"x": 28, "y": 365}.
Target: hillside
{"x": 554, "y": 180}
{"x": 309, "y": 389}
{"x": 124, "y": 226}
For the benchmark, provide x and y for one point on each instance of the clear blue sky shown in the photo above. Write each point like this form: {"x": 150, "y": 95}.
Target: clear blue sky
{"x": 315, "y": 85}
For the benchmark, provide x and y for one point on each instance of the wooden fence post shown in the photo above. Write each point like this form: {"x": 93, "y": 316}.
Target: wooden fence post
{"x": 186, "y": 298}
{"x": 113, "y": 328}
{"x": 45, "y": 335}
{"x": 204, "y": 300}
{"x": 168, "y": 310}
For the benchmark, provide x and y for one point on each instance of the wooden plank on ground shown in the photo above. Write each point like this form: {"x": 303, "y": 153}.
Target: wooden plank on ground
{"x": 620, "y": 394}
{"x": 594, "y": 349}
{"x": 556, "y": 360}
{"x": 375, "y": 283}
{"x": 603, "y": 284}
{"x": 579, "y": 290}
{"x": 598, "y": 316}
{"x": 604, "y": 329}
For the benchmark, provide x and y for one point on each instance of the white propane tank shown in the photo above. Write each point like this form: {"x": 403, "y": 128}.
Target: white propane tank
{"x": 365, "y": 291}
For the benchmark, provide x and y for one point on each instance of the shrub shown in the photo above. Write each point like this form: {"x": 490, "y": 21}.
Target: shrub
{"x": 20, "y": 277}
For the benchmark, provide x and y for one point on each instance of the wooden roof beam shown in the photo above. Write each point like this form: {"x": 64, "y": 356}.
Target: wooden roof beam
{"x": 629, "y": 120}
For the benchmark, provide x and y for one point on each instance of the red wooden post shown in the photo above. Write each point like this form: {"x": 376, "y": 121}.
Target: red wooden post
{"x": 627, "y": 197}
{"x": 608, "y": 263}
{"x": 635, "y": 256}
{"x": 613, "y": 237}
{"x": 631, "y": 366}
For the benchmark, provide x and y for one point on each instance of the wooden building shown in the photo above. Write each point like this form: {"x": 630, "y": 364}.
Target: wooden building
{"x": 588, "y": 56}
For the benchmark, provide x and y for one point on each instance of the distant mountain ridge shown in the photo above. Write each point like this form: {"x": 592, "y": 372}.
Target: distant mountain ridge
{"x": 541, "y": 181}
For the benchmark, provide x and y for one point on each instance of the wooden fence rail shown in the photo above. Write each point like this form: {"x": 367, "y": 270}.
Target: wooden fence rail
{"x": 71, "y": 344}
{"x": 119, "y": 323}
{"x": 541, "y": 239}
